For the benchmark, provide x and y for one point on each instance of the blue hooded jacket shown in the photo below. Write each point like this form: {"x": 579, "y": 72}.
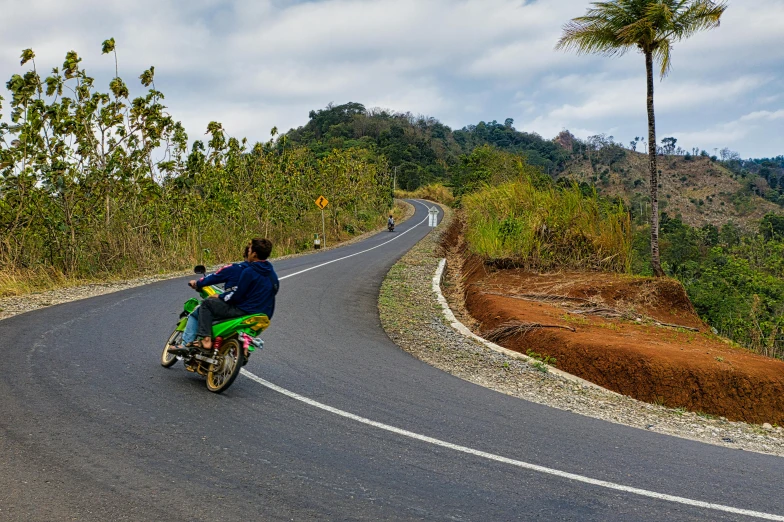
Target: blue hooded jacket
{"x": 229, "y": 275}
{"x": 256, "y": 290}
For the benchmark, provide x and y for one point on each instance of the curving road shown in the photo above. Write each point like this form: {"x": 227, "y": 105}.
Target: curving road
{"x": 330, "y": 422}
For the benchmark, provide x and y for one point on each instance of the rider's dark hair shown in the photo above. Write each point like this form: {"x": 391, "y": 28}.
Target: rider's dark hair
{"x": 245, "y": 252}
{"x": 262, "y": 248}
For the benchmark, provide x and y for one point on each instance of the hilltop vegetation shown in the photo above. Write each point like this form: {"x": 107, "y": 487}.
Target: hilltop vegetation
{"x": 695, "y": 187}
{"x": 423, "y": 149}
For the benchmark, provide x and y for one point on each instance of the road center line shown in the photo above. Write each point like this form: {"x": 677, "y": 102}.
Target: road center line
{"x": 492, "y": 456}
{"x": 362, "y": 252}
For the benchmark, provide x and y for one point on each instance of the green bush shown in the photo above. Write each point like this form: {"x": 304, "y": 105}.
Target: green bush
{"x": 735, "y": 280}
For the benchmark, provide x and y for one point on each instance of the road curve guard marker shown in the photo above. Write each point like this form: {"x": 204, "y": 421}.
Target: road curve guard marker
{"x": 463, "y": 329}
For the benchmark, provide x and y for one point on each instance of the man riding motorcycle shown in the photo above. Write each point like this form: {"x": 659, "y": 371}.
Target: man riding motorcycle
{"x": 254, "y": 294}
{"x": 229, "y": 276}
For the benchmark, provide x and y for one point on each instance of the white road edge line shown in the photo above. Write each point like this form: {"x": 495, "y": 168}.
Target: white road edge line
{"x": 492, "y": 456}
{"x": 513, "y": 462}
{"x": 362, "y": 252}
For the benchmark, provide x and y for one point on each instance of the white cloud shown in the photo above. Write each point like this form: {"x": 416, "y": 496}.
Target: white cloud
{"x": 254, "y": 64}
{"x": 752, "y": 126}
{"x": 763, "y": 115}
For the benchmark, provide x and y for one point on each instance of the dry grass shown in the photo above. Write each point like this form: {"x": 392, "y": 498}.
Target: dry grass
{"x": 547, "y": 228}
{"x": 684, "y": 183}
{"x": 435, "y": 192}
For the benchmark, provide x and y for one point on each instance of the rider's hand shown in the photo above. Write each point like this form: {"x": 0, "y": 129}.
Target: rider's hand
{"x": 192, "y": 283}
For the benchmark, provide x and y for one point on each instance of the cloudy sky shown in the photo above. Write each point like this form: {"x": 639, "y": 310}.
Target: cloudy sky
{"x": 255, "y": 64}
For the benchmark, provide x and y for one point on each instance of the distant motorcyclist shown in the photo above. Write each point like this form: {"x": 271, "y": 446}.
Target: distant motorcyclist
{"x": 391, "y": 223}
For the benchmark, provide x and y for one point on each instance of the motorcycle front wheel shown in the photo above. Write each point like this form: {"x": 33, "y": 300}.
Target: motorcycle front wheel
{"x": 167, "y": 359}
{"x": 223, "y": 373}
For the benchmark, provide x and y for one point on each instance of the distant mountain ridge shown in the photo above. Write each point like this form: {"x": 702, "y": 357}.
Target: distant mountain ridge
{"x": 699, "y": 188}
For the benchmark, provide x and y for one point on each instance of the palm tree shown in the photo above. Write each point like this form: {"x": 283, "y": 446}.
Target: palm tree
{"x": 615, "y": 27}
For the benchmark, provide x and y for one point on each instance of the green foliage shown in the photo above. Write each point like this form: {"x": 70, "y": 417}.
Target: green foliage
{"x": 772, "y": 226}
{"x": 734, "y": 279}
{"x": 541, "y": 362}
{"x": 488, "y": 165}
{"x": 94, "y": 182}
{"x": 424, "y": 150}
{"x": 433, "y": 192}
{"x": 651, "y": 26}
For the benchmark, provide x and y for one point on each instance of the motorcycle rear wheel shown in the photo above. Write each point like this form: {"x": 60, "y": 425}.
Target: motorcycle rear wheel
{"x": 222, "y": 375}
{"x": 167, "y": 359}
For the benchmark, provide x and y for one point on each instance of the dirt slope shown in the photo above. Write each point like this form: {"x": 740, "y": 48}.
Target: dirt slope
{"x": 612, "y": 330}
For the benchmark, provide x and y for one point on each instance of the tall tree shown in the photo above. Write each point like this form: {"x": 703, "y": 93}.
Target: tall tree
{"x": 651, "y": 26}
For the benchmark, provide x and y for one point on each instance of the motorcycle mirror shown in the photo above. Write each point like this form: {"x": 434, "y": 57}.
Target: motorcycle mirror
{"x": 199, "y": 269}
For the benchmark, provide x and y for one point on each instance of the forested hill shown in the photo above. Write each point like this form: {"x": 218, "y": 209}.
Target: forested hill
{"x": 423, "y": 149}
{"x": 697, "y": 186}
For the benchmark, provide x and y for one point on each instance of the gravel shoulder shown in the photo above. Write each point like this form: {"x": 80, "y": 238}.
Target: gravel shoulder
{"x": 414, "y": 320}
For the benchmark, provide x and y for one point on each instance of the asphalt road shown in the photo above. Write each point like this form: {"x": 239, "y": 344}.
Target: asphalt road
{"x": 93, "y": 428}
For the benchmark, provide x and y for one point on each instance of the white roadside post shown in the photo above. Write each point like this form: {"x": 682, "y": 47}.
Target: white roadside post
{"x": 323, "y": 229}
{"x": 433, "y": 212}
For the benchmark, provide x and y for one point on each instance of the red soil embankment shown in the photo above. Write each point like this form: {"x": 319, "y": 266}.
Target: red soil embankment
{"x": 617, "y": 343}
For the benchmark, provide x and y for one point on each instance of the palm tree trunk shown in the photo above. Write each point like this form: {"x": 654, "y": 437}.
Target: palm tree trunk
{"x": 654, "y": 174}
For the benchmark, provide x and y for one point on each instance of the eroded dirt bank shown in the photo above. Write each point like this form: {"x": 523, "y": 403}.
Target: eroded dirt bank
{"x": 637, "y": 336}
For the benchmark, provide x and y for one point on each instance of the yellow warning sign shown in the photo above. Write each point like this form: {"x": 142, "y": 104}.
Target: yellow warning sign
{"x": 322, "y": 202}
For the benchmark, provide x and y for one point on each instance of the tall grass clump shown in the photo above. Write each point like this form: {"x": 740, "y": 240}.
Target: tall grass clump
{"x": 546, "y": 228}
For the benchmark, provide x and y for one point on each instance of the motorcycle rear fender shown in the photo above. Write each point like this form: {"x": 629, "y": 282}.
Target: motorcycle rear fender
{"x": 252, "y": 325}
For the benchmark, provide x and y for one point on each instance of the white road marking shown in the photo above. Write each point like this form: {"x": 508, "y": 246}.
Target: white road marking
{"x": 513, "y": 462}
{"x": 492, "y": 456}
{"x": 362, "y": 252}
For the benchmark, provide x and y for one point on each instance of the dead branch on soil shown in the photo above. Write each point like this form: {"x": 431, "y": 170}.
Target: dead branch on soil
{"x": 601, "y": 311}
{"x": 669, "y": 325}
{"x": 514, "y": 328}
{"x": 544, "y": 298}
{"x": 596, "y": 309}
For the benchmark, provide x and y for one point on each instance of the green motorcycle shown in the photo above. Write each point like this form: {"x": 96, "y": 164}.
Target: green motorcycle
{"x": 233, "y": 342}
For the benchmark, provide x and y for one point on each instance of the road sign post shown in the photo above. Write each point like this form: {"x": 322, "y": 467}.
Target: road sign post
{"x": 322, "y": 203}
{"x": 433, "y": 214}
